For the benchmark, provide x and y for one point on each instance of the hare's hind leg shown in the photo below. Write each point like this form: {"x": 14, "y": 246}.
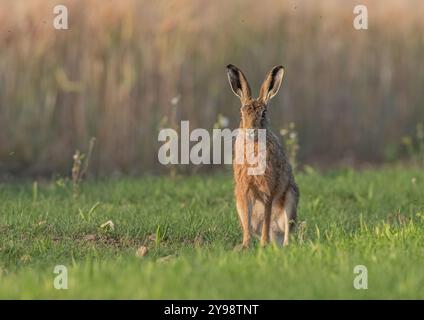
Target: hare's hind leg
{"x": 290, "y": 213}
{"x": 257, "y": 220}
{"x": 276, "y": 233}
{"x": 276, "y": 236}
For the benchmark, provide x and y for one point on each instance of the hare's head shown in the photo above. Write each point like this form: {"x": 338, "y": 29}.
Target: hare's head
{"x": 254, "y": 111}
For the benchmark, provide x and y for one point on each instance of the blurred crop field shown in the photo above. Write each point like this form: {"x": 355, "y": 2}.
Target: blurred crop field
{"x": 127, "y": 68}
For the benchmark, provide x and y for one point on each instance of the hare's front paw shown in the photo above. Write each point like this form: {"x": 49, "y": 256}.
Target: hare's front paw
{"x": 241, "y": 247}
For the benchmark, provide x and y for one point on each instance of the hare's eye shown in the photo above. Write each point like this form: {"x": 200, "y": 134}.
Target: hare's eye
{"x": 263, "y": 114}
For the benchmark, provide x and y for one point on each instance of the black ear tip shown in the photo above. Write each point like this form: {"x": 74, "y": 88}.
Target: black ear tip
{"x": 276, "y": 69}
{"x": 231, "y": 67}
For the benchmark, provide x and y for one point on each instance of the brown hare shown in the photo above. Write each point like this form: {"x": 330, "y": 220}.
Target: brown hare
{"x": 266, "y": 203}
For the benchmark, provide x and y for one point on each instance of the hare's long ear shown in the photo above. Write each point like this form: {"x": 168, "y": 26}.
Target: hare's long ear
{"x": 238, "y": 83}
{"x": 271, "y": 84}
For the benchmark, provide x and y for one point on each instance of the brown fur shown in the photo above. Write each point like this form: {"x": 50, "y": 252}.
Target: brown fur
{"x": 266, "y": 204}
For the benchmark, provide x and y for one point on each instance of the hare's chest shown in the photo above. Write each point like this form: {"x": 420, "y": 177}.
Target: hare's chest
{"x": 259, "y": 186}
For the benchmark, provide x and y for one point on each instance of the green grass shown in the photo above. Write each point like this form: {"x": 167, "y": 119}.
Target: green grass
{"x": 373, "y": 218}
